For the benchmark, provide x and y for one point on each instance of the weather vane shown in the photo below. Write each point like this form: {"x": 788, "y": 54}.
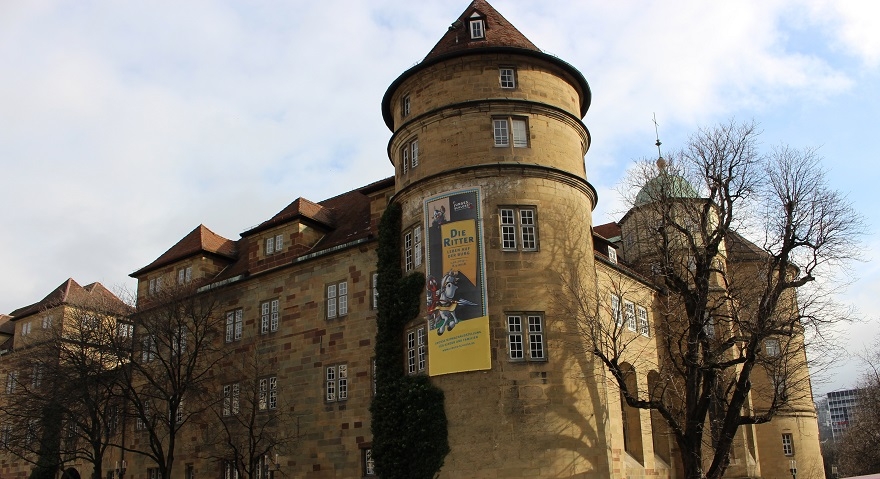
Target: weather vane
{"x": 661, "y": 163}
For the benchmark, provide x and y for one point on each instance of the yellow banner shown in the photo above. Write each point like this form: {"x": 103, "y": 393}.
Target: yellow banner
{"x": 466, "y": 348}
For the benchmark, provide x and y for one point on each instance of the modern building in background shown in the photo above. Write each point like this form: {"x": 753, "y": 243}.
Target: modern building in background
{"x": 841, "y": 408}
{"x": 488, "y": 147}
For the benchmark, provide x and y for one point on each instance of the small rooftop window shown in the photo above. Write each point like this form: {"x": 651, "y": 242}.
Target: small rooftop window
{"x": 477, "y": 27}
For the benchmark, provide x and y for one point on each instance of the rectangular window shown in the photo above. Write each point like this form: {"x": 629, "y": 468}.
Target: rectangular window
{"x": 47, "y": 322}
{"x": 629, "y": 313}
{"x": 229, "y": 470}
{"x": 37, "y": 376}
{"x": 771, "y": 346}
{"x": 477, "y": 29}
{"x": 404, "y": 106}
{"x": 268, "y": 398}
{"x": 709, "y": 326}
{"x": 124, "y": 330}
{"x": 279, "y": 243}
{"x": 270, "y": 245}
{"x": 178, "y": 341}
{"x": 184, "y": 275}
{"x": 336, "y": 383}
{"x": 375, "y": 302}
{"x": 644, "y": 327}
{"x": 11, "y": 381}
{"x": 149, "y": 349}
{"x": 234, "y": 325}
{"x": 231, "y": 399}
{"x": 508, "y": 77}
{"x": 409, "y": 155}
{"x": 337, "y": 299}
{"x": 416, "y": 351}
{"x": 612, "y": 254}
{"x": 369, "y": 463}
{"x": 526, "y": 345}
{"x": 408, "y": 259}
{"x": 417, "y": 239}
{"x": 519, "y": 229}
{"x": 511, "y": 130}
{"x": 26, "y": 329}
{"x": 788, "y": 444}
{"x": 615, "y": 310}
{"x": 152, "y": 289}
{"x": 179, "y": 416}
{"x": 269, "y": 316}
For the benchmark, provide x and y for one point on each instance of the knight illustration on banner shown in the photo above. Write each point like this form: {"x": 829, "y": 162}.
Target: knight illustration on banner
{"x": 442, "y": 302}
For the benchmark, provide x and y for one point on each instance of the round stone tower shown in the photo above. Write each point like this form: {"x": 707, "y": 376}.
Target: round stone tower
{"x": 488, "y": 148}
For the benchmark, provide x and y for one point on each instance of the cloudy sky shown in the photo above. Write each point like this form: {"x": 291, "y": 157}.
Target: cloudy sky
{"x": 124, "y": 125}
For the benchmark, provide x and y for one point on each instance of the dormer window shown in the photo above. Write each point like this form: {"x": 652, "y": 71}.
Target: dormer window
{"x": 612, "y": 254}
{"x": 274, "y": 244}
{"x": 477, "y": 27}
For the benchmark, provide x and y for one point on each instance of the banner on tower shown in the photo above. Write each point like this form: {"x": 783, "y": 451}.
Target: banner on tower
{"x": 458, "y": 321}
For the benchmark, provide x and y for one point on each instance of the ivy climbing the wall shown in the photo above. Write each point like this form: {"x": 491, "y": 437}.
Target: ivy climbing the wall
{"x": 408, "y": 420}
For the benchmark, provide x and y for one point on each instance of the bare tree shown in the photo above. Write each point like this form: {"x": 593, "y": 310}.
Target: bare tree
{"x": 250, "y": 427}
{"x": 168, "y": 379}
{"x": 64, "y": 401}
{"x": 858, "y": 451}
{"x": 735, "y": 313}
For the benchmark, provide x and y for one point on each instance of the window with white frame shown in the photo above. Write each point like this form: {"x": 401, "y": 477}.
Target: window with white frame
{"x": 234, "y": 325}
{"x": 525, "y": 337}
{"x": 612, "y": 254}
{"x": 149, "y": 348}
{"x": 184, "y": 275}
{"x": 771, "y": 347}
{"x": 268, "y": 393}
{"x": 507, "y": 76}
{"x": 412, "y": 248}
{"x": 615, "y": 310}
{"x": 375, "y": 299}
{"x": 26, "y": 328}
{"x": 231, "y": 399}
{"x": 274, "y": 244}
{"x": 409, "y": 155}
{"x": 124, "y": 330}
{"x": 337, "y": 299}
{"x": 155, "y": 285}
{"x": 511, "y": 131}
{"x": 140, "y": 425}
{"x": 230, "y": 471}
{"x": 477, "y": 27}
{"x": 787, "y": 444}
{"x": 178, "y": 340}
{"x": 180, "y": 413}
{"x": 644, "y": 326}
{"x": 629, "y": 314}
{"x": 11, "y": 381}
{"x": 709, "y": 326}
{"x": 368, "y": 462}
{"x": 404, "y": 106}
{"x": 336, "y": 385}
{"x": 269, "y": 316}
{"x": 416, "y": 351}
{"x": 47, "y": 321}
{"x": 519, "y": 228}
{"x": 36, "y": 376}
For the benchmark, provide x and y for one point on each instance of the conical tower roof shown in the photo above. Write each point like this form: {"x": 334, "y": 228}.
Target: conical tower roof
{"x": 497, "y": 36}
{"x": 498, "y": 32}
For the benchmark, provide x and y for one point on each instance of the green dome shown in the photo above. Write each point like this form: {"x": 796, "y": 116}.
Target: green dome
{"x": 665, "y": 185}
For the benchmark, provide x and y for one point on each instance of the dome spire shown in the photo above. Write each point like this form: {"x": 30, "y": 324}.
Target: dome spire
{"x": 661, "y": 162}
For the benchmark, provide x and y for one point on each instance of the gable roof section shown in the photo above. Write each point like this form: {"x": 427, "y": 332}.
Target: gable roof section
{"x": 199, "y": 240}
{"x": 68, "y": 292}
{"x": 300, "y": 208}
{"x": 350, "y": 213}
{"x": 498, "y": 32}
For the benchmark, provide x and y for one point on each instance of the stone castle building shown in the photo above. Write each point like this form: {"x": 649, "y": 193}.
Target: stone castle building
{"x": 488, "y": 149}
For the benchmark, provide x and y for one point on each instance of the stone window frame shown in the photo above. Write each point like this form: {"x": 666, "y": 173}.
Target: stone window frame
{"x": 336, "y": 299}
{"x": 336, "y": 383}
{"x": 507, "y": 77}
{"x": 510, "y": 131}
{"x": 270, "y": 315}
{"x": 409, "y": 155}
{"x": 416, "y": 350}
{"x": 526, "y": 341}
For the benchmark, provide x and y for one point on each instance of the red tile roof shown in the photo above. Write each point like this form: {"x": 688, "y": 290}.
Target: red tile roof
{"x": 608, "y": 230}
{"x": 199, "y": 240}
{"x": 498, "y": 32}
{"x": 68, "y": 292}
{"x": 301, "y": 208}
